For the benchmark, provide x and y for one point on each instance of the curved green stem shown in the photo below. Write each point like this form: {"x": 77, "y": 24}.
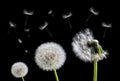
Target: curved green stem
{"x": 95, "y": 70}
{"x": 56, "y": 76}
{"x": 23, "y": 78}
{"x": 99, "y": 49}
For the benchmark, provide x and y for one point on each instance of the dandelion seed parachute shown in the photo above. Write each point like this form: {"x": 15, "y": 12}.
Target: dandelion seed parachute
{"x": 93, "y": 11}
{"x": 67, "y": 15}
{"x": 50, "y": 56}
{"x": 19, "y": 69}
{"x": 12, "y": 24}
{"x": 27, "y": 29}
{"x": 50, "y": 12}
{"x": 107, "y": 25}
{"x": 45, "y": 24}
{"x": 82, "y": 49}
{"x": 28, "y": 12}
{"x": 26, "y": 51}
{"x": 19, "y": 40}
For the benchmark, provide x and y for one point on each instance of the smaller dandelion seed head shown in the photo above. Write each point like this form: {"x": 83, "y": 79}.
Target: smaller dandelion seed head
{"x": 86, "y": 47}
{"x": 107, "y": 25}
{"x": 12, "y": 24}
{"x": 28, "y": 12}
{"x": 94, "y": 11}
{"x": 45, "y": 24}
{"x": 67, "y": 15}
{"x": 19, "y": 69}
{"x": 49, "y": 56}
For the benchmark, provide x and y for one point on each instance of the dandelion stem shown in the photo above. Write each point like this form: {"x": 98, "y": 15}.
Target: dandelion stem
{"x": 95, "y": 70}
{"x": 104, "y": 32}
{"x": 49, "y": 32}
{"x": 56, "y": 76}
{"x": 26, "y": 20}
{"x": 69, "y": 23}
{"x": 23, "y": 78}
{"x": 88, "y": 18}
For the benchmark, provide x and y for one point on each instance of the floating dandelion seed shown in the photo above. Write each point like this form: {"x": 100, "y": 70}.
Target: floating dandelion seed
{"x": 50, "y": 12}
{"x": 12, "y": 27}
{"x": 26, "y": 51}
{"x": 19, "y": 40}
{"x": 50, "y": 56}
{"x": 88, "y": 49}
{"x": 44, "y": 26}
{"x": 67, "y": 16}
{"x": 19, "y": 70}
{"x": 106, "y": 25}
{"x": 27, "y": 13}
{"x": 93, "y": 12}
{"x": 26, "y": 29}
{"x": 12, "y": 24}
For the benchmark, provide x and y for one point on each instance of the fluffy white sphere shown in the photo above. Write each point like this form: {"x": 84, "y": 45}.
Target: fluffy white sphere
{"x": 83, "y": 46}
{"x": 19, "y": 69}
{"x": 49, "y": 56}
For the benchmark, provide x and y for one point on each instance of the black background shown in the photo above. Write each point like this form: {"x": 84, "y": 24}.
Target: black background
{"x": 73, "y": 69}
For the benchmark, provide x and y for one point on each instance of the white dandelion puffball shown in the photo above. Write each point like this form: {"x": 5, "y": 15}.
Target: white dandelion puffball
{"x": 85, "y": 47}
{"x": 19, "y": 69}
{"x": 50, "y": 56}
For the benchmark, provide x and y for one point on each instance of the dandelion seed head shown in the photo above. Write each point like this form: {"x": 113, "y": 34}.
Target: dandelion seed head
{"x": 49, "y": 56}
{"x": 45, "y": 24}
{"x": 107, "y": 25}
{"x": 84, "y": 45}
{"x": 19, "y": 69}
{"x": 95, "y": 12}
{"x": 67, "y": 15}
